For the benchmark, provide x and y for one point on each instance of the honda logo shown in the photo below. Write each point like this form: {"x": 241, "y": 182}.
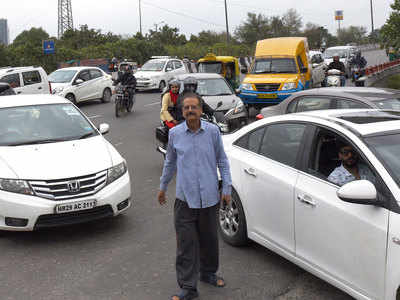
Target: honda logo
{"x": 74, "y": 186}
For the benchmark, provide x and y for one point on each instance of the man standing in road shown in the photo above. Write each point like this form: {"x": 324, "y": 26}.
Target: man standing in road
{"x": 195, "y": 150}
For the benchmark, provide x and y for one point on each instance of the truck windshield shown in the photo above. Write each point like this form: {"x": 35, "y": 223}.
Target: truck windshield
{"x": 214, "y": 67}
{"x": 274, "y": 66}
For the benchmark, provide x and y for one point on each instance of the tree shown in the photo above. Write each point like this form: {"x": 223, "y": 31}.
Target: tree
{"x": 390, "y": 31}
{"x": 34, "y": 36}
{"x": 315, "y": 35}
{"x": 167, "y": 36}
{"x": 256, "y": 27}
{"x": 352, "y": 34}
{"x": 292, "y": 23}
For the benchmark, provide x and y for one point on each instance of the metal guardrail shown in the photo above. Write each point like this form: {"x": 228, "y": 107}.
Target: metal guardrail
{"x": 379, "y": 72}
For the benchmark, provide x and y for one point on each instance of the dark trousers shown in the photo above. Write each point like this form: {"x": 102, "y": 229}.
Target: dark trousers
{"x": 197, "y": 243}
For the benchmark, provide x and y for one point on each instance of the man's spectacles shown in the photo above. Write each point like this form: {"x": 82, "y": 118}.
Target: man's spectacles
{"x": 348, "y": 151}
{"x": 192, "y": 107}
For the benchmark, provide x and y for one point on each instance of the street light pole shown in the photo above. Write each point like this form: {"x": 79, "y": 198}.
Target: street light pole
{"x": 227, "y": 27}
{"x": 140, "y": 17}
{"x": 372, "y": 17}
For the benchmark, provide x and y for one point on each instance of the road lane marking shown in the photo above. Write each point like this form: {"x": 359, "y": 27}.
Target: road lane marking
{"x": 151, "y": 104}
{"x": 96, "y": 116}
{"x": 118, "y": 144}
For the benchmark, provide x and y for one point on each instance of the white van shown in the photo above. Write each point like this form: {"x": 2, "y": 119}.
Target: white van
{"x": 26, "y": 80}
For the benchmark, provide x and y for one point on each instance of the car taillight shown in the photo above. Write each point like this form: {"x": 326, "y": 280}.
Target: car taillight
{"x": 259, "y": 117}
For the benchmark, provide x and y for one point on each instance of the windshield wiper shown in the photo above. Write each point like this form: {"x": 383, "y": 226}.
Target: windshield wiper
{"x": 36, "y": 142}
{"x": 86, "y": 135}
{"x": 223, "y": 94}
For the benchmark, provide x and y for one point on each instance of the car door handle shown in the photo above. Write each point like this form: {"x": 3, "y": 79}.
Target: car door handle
{"x": 39, "y": 88}
{"x": 19, "y": 92}
{"x": 306, "y": 200}
{"x": 251, "y": 172}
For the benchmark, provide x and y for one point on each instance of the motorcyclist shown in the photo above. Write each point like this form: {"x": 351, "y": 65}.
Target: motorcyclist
{"x": 359, "y": 60}
{"x": 338, "y": 65}
{"x": 126, "y": 78}
{"x": 190, "y": 86}
{"x": 169, "y": 104}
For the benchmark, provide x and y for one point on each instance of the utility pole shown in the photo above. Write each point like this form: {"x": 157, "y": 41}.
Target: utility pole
{"x": 372, "y": 17}
{"x": 140, "y": 17}
{"x": 227, "y": 27}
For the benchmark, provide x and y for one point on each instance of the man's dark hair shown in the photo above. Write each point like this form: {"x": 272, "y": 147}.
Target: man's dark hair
{"x": 340, "y": 143}
{"x": 193, "y": 95}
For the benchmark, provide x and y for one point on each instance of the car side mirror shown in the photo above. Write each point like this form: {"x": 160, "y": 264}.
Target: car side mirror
{"x": 79, "y": 81}
{"x": 237, "y": 91}
{"x": 358, "y": 192}
{"x": 104, "y": 128}
{"x": 304, "y": 70}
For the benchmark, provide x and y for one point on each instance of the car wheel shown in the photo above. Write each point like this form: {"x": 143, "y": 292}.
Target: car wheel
{"x": 161, "y": 87}
{"x": 232, "y": 222}
{"x": 71, "y": 98}
{"x": 106, "y": 95}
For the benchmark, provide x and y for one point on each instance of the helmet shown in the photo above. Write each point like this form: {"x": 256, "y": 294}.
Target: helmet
{"x": 174, "y": 81}
{"x": 190, "y": 84}
{"x": 114, "y": 60}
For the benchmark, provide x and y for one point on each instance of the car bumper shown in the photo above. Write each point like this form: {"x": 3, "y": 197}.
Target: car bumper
{"x": 146, "y": 85}
{"x": 40, "y": 212}
{"x": 254, "y": 97}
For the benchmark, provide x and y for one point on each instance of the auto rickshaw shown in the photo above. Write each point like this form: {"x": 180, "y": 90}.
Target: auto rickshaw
{"x": 226, "y": 66}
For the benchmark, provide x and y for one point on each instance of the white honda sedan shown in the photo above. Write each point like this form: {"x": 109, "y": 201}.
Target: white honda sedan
{"x": 322, "y": 189}
{"x": 55, "y": 166}
{"x": 80, "y": 84}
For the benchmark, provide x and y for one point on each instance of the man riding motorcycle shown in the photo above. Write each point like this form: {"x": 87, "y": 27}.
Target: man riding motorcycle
{"x": 168, "y": 104}
{"x": 190, "y": 86}
{"x": 338, "y": 65}
{"x": 126, "y": 78}
{"x": 358, "y": 63}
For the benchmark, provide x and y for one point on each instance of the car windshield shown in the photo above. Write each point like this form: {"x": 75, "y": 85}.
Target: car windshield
{"x": 387, "y": 149}
{"x": 39, "y": 124}
{"x": 214, "y": 67}
{"x": 393, "y": 103}
{"x": 329, "y": 53}
{"x": 153, "y": 65}
{"x": 274, "y": 65}
{"x": 213, "y": 87}
{"x": 62, "y": 76}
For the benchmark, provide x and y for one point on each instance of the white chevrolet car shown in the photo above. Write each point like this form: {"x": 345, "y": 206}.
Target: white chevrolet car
{"x": 79, "y": 84}
{"x": 348, "y": 234}
{"x": 157, "y": 72}
{"x": 55, "y": 166}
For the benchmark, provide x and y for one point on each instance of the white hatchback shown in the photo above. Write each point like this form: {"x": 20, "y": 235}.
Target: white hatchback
{"x": 79, "y": 84}
{"x": 55, "y": 166}
{"x": 287, "y": 197}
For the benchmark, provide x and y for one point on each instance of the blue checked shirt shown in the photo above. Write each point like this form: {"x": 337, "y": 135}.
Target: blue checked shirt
{"x": 195, "y": 157}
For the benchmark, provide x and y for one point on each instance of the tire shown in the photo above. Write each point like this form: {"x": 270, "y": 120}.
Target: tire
{"x": 162, "y": 85}
{"x": 118, "y": 104}
{"x": 71, "y": 98}
{"x": 129, "y": 108}
{"x": 106, "y": 95}
{"x": 231, "y": 221}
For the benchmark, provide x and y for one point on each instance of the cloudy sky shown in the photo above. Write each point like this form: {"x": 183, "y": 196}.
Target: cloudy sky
{"x": 122, "y": 17}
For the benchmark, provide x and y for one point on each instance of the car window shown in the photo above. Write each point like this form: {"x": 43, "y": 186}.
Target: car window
{"x": 342, "y": 103}
{"x": 31, "y": 77}
{"x": 178, "y": 64}
{"x": 251, "y": 141}
{"x": 170, "y": 66}
{"x": 313, "y": 103}
{"x": 12, "y": 80}
{"x": 325, "y": 161}
{"x": 292, "y": 107}
{"x": 282, "y": 142}
{"x": 95, "y": 74}
{"x": 84, "y": 75}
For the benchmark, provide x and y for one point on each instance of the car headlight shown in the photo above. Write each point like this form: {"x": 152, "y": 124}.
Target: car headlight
{"x": 247, "y": 86}
{"x": 58, "y": 90}
{"x": 239, "y": 108}
{"x": 15, "y": 186}
{"x": 116, "y": 172}
{"x": 289, "y": 86}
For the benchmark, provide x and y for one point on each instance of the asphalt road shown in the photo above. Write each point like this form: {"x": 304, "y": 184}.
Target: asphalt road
{"x": 132, "y": 256}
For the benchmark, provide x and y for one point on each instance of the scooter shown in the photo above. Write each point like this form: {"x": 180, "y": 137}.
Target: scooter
{"x": 333, "y": 77}
{"x": 122, "y": 103}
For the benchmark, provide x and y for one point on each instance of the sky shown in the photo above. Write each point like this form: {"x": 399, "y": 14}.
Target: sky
{"x": 190, "y": 16}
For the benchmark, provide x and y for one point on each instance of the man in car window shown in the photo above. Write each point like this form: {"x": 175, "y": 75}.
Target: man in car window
{"x": 351, "y": 168}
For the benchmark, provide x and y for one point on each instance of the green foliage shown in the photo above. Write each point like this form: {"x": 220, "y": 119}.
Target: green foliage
{"x": 34, "y": 36}
{"x": 390, "y": 31}
{"x": 352, "y": 34}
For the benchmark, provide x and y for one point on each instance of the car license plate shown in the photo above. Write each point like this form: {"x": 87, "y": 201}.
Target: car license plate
{"x": 75, "y": 206}
{"x": 267, "y": 96}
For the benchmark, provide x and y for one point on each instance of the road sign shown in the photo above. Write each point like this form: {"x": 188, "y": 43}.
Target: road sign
{"x": 48, "y": 47}
{"x": 339, "y": 15}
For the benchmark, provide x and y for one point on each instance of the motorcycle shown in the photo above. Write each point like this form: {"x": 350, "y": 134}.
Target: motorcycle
{"x": 163, "y": 131}
{"x": 357, "y": 73}
{"x": 122, "y": 101}
{"x": 333, "y": 77}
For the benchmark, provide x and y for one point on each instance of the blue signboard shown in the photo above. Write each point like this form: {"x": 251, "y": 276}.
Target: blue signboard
{"x": 48, "y": 47}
